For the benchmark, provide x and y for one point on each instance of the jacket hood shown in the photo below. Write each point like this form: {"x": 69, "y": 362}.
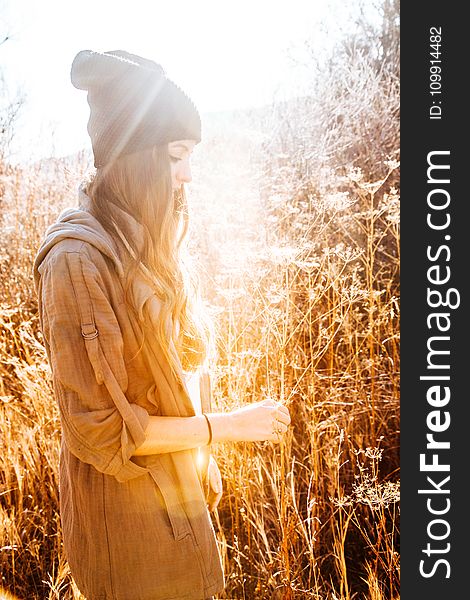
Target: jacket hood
{"x": 78, "y": 223}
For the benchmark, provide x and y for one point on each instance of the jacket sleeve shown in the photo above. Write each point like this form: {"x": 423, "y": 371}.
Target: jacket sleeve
{"x": 84, "y": 344}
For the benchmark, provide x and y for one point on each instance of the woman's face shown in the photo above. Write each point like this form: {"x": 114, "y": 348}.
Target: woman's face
{"x": 180, "y": 153}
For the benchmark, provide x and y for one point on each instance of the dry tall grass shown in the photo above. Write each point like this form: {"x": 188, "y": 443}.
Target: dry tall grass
{"x": 295, "y": 221}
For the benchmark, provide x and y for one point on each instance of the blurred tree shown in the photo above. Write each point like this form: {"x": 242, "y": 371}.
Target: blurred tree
{"x": 378, "y": 38}
{"x": 10, "y": 106}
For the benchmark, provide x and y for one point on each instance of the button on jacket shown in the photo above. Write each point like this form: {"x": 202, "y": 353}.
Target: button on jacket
{"x": 134, "y": 527}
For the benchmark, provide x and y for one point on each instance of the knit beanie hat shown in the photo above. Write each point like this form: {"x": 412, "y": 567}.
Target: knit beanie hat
{"x": 133, "y": 105}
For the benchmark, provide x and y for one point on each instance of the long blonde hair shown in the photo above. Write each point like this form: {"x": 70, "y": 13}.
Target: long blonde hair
{"x": 140, "y": 184}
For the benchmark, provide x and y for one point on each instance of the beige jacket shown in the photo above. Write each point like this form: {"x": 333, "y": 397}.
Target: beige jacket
{"x": 134, "y": 527}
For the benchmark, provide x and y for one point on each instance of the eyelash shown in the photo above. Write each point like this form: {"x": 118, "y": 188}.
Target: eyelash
{"x": 175, "y": 159}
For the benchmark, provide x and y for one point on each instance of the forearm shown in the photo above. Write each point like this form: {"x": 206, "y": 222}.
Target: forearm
{"x": 171, "y": 434}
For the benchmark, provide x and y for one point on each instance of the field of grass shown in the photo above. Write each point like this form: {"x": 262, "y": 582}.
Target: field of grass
{"x": 295, "y": 226}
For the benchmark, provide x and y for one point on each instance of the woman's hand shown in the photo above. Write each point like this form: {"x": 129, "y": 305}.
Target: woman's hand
{"x": 267, "y": 420}
{"x": 214, "y": 481}
{"x": 263, "y": 421}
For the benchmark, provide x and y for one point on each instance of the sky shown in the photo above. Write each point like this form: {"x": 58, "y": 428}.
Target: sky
{"x": 225, "y": 54}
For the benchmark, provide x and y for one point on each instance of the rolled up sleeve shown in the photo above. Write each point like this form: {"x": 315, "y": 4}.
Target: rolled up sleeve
{"x": 84, "y": 344}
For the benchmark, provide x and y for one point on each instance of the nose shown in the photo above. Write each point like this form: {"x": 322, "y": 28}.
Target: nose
{"x": 184, "y": 172}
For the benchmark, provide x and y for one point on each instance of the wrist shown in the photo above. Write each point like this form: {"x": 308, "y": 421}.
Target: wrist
{"x": 222, "y": 427}
{"x": 209, "y": 428}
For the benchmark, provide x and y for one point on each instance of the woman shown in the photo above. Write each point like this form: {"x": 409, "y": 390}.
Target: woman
{"x": 128, "y": 347}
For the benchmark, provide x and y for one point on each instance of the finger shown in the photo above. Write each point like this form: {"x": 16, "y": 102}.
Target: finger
{"x": 284, "y": 419}
{"x": 268, "y": 402}
{"x": 281, "y": 428}
{"x": 216, "y": 487}
{"x": 280, "y": 412}
{"x": 212, "y": 507}
{"x": 215, "y": 481}
{"x": 214, "y": 476}
{"x": 280, "y": 431}
{"x": 283, "y": 409}
{"x": 213, "y": 501}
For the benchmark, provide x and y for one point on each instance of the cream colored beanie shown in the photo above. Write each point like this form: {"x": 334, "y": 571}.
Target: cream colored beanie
{"x": 133, "y": 105}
